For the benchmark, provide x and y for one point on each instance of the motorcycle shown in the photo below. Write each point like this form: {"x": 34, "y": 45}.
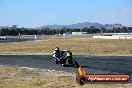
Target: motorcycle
{"x": 73, "y": 63}
{"x": 68, "y": 62}
{"x": 65, "y": 61}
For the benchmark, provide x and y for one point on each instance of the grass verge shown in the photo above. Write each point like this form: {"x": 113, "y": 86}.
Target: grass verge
{"x": 15, "y": 77}
{"x": 78, "y": 45}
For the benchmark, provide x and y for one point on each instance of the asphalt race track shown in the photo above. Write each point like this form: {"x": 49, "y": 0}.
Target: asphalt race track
{"x": 92, "y": 64}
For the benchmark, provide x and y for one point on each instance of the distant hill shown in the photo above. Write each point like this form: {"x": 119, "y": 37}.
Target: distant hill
{"x": 76, "y": 26}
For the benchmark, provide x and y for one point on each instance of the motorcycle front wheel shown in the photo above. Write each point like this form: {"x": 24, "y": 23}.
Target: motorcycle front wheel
{"x": 73, "y": 62}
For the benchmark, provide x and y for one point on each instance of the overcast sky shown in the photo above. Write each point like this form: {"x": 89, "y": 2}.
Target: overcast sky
{"x": 32, "y": 13}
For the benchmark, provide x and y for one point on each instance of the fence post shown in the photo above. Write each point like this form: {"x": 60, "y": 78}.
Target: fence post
{"x": 35, "y": 37}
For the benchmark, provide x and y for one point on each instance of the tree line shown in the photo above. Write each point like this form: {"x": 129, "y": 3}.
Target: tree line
{"x": 48, "y": 31}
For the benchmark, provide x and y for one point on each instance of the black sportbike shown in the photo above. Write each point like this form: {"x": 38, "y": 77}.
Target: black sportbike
{"x": 67, "y": 62}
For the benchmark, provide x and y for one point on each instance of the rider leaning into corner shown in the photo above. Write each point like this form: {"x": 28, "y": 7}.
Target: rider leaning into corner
{"x": 63, "y": 55}
{"x": 57, "y": 53}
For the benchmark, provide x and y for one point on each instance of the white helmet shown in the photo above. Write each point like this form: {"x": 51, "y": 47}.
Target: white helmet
{"x": 57, "y": 49}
